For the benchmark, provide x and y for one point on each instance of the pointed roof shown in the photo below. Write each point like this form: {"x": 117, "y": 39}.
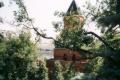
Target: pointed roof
{"x": 1, "y": 4}
{"x": 73, "y": 7}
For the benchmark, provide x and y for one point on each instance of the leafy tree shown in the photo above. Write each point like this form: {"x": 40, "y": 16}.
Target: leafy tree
{"x": 106, "y": 14}
{"x": 94, "y": 65}
{"x": 73, "y": 38}
{"x": 68, "y": 72}
{"x": 17, "y": 57}
{"x": 106, "y": 17}
{"x": 42, "y": 72}
{"x": 57, "y": 72}
{"x": 108, "y": 20}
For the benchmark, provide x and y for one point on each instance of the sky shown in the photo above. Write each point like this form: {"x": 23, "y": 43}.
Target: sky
{"x": 42, "y": 13}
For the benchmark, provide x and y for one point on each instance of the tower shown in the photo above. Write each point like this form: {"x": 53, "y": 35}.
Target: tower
{"x": 73, "y": 18}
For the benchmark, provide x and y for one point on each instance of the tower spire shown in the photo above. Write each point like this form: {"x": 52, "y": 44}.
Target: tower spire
{"x": 72, "y": 8}
{"x": 72, "y": 17}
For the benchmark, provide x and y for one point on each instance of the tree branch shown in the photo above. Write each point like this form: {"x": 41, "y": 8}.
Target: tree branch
{"x": 43, "y": 36}
{"x": 103, "y": 41}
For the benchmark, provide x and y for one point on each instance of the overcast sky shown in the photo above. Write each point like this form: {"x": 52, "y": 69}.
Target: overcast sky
{"x": 41, "y": 11}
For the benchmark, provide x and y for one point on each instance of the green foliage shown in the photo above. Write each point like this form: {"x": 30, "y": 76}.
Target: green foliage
{"x": 94, "y": 65}
{"x": 73, "y": 38}
{"x": 42, "y": 72}
{"x": 57, "y": 73}
{"x": 106, "y": 13}
{"x": 114, "y": 40}
{"x": 68, "y": 72}
{"x": 17, "y": 57}
{"x": 109, "y": 16}
{"x": 21, "y": 15}
{"x": 110, "y": 68}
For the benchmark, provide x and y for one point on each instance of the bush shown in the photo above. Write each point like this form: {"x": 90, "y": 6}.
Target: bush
{"x": 42, "y": 72}
{"x": 57, "y": 72}
{"x": 17, "y": 57}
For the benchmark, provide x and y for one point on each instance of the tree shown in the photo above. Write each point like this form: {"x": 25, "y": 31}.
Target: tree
{"x": 17, "y": 57}
{"x": 106, "y": 17}
{"x": 42, "y": 72}
{"x": 68, "y": 72}
{"x": 57, "y": 72}
{"x": 73, "y": 38}
{"x": 106, "y": 14}
{"x": 108, "y": 20}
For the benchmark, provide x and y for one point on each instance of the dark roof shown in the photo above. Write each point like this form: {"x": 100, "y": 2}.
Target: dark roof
{"x": 73, "y": 7}
{"x": 1, "y": 4}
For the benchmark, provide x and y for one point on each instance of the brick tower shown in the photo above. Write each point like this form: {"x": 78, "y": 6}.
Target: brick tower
{"x": 72, "y": 17}
{"x": 66, "y": 56}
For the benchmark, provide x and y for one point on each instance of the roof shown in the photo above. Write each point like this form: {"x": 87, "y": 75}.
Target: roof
{"x": 1, "y": 4}
{"x": 72, "y": 8}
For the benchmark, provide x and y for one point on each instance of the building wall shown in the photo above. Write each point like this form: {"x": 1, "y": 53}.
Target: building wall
{"x": 59, "y": 55}
{"x": 78, "y": 66}
{"x": 66, "y": 54}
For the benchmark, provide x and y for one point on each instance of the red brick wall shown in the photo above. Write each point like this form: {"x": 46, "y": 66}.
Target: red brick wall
{"x": 78, "y": 64}
{"x": 66, "y": 54}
